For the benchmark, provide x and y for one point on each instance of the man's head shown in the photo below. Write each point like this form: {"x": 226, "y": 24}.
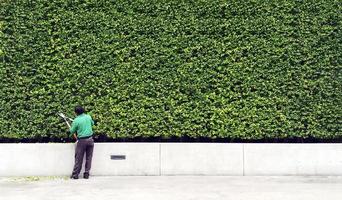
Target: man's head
{"x": 79, "y": 110}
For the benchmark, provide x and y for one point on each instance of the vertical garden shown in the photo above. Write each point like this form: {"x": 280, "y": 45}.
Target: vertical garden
{"x": 235, "y": 70}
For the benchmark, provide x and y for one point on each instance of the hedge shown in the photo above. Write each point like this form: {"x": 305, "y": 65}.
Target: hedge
{"x": 247, "y": 70}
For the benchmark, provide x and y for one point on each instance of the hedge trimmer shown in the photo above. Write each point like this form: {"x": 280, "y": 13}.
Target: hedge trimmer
{"x": 67, "y": 119}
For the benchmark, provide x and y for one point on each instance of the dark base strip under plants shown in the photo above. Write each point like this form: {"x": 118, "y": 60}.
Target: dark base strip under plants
{"x": 103, "y": 138}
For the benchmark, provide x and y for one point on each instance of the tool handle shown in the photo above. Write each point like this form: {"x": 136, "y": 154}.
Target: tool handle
{"x": 67, "y": 123}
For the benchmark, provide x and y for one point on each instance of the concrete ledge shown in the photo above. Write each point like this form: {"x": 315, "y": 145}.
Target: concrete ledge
{"x": 175, "y": 159}
{"x": 58, "y": 159}
{"x": 293, "y": 159}
{"x": 201, "y": 159}
{"x": 36, "y": 159}
{"x": 141, "y": 159}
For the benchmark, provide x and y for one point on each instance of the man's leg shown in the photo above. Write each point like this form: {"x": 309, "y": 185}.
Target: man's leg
{"x": 79, "y": 154}
{"x": 89, "y": 156}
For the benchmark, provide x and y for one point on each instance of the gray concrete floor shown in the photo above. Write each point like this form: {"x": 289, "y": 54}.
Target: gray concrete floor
{"x": 172, "y": 188}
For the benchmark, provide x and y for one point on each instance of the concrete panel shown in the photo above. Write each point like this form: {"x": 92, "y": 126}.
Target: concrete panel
{"x": 201, "y": 159}
{"x": 58, "y": 159}
{"x": 36, "y": 159}
{"x": 293, "y": 159}
{"x": 141, "y": 159}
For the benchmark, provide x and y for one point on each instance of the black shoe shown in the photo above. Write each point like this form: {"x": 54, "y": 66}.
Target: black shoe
{"x": 86, "y": 175}
{"x": 73, "y": 177}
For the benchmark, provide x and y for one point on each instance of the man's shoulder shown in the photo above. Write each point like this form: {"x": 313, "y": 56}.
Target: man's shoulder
{"x": 84, "y": 116}
{"x": 77, "y": 119}
{"x": 87, "y": 115}
{"x": 80, "y": 117}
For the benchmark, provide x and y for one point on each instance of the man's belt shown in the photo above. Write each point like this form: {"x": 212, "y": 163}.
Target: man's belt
{"x": 81, "y": 138}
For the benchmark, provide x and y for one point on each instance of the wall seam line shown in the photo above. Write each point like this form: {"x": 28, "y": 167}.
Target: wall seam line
{"x": 243, "y": 159}
{"x": 160, "y": 163}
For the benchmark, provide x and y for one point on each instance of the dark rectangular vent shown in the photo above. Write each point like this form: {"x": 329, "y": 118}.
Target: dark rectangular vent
{"x": 117, "y": 157}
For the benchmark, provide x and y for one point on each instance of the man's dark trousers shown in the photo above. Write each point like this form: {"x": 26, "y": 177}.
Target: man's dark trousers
{"x": 83, "y": 146}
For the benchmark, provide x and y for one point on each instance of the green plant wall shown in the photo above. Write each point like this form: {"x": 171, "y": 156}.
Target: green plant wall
{"x": 248, "y": 69}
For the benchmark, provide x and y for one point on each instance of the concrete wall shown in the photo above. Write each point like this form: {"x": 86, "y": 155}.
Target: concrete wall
{"x": 293, "y": 159}
{"x": 58, "y": 159}
{"x": 175, "y": 159}
{"x": 35, "y": 159}
{"x": 141, "y": 159}
{"x": 201, "y": 159}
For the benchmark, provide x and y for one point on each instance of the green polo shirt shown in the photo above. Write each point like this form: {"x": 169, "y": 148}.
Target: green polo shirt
{"x": 82, "y": 126}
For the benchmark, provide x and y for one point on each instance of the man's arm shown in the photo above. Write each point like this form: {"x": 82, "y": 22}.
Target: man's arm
{"x": 73, "y": 129}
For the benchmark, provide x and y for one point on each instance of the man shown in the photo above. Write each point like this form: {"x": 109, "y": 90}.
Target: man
{"x": 81, "y": 129}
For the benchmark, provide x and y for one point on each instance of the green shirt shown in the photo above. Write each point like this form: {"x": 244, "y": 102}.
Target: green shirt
{"x": 82, "y": 126}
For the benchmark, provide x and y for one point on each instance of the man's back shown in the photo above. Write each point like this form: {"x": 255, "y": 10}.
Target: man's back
{"x": 82, "y": 125}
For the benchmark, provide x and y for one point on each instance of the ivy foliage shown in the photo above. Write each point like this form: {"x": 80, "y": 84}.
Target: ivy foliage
{"x": 249, "y": 69}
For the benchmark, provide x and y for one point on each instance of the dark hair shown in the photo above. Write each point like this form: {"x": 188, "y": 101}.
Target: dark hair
{"x": 79, "y": 110}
